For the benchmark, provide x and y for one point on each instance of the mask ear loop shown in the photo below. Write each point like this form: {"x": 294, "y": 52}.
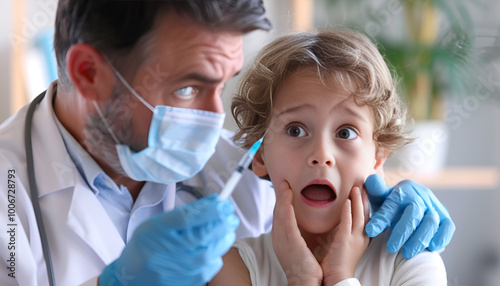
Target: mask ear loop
{"x": 125, "y": 83}
{"x": 106, "y": 123}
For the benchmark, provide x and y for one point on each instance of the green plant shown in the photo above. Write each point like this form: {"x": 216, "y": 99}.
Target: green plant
{"x": 427, "y": 42}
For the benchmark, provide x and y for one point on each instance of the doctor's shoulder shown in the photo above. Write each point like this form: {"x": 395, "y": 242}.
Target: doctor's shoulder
{"x": 12, "y": 149}
{"x": 254, "y": 197}
{"x": 226, "y": 156}
{"x": 226, "y": 146}
{"x": 15, "y": 203}
{"x": 13, "y": 169}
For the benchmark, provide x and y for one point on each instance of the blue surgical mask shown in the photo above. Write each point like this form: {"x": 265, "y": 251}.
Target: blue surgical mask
{"x": 180, "y": 142}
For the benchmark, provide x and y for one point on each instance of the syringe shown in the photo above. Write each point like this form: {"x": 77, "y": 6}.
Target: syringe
{"x": 236, "y": 175}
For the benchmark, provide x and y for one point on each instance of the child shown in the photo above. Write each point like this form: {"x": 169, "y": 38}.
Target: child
{"x": 327, "y": 109}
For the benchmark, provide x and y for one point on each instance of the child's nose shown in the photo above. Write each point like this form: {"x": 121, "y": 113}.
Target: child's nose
{"x": 323, "y": 162}
{"x": 322, "y": 154}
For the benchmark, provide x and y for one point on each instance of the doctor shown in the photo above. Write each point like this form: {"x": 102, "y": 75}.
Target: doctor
{"x": 135, "y": 111}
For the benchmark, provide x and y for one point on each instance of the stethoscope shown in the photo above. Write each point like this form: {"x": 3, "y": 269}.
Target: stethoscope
{"x": 34, "y": 190}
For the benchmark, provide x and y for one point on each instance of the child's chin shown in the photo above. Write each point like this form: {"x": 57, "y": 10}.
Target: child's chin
{"x": 319, "y": 227}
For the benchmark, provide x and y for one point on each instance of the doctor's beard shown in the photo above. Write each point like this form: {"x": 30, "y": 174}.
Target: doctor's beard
{"x": 98, "y": 140}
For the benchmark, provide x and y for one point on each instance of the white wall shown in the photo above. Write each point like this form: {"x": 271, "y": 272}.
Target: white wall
{"x": 5, "y": 52}
{"x": 38, "y": 17}
{"x": 473, "y": 257}
{"x": 278, "y": 12}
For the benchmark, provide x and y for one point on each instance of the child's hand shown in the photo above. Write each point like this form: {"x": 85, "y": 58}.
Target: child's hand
{"x": 297, "y": 261}
{"x": 349, "y": 242}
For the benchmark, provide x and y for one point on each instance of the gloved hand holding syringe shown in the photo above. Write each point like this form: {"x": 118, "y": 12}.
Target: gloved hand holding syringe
{"x": 200, "y": 230}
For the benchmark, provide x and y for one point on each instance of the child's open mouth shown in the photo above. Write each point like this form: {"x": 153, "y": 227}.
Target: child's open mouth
{"x": 318, "y": 195}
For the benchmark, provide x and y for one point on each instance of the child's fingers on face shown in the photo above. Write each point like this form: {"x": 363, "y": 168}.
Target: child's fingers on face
{"x": 284, "y": 217}
{"x": 366, "y": 205}
{"x": 358, "y": 210}
{"x": 346, "y": 218}
{"x": 284, "y": 192}
{"x": 281, "y": 198}
{"x": 290, "y": 222}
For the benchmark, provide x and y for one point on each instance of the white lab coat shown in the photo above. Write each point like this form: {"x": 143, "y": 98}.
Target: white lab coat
{"x": 82, "y": 238}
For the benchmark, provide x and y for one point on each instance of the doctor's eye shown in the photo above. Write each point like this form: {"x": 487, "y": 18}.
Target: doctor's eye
{"x": 347, "y": 133}
{"x": 186, "y": 92}
{"x": 295, "y": 131}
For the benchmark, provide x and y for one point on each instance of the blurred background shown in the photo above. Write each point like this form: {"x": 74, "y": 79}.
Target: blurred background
{"x": 446, "y": 56}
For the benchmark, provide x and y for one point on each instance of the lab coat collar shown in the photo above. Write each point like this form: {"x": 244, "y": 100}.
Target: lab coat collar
{"x": 54, "y": 169}
{"x": 84, "y": 163}
{"x": 56, "y": 172}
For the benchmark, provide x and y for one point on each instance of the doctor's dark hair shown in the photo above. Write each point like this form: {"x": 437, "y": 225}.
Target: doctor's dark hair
{"x": 349, "y": 58}
{"x": 121, "y": 29}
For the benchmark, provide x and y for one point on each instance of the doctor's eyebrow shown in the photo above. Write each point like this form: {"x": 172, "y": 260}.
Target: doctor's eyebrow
{"x": 203, "y": 78}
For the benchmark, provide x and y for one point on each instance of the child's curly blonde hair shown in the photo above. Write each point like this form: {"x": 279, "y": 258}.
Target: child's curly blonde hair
{"x": 350, "y": 58}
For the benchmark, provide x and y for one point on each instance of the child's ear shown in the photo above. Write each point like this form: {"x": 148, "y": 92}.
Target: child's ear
{"x": 258, "y": 165}
{"x": 380, "y": 157}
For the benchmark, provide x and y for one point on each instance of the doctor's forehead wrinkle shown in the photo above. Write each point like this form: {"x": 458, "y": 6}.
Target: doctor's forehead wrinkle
{"x": 201, "y": 78}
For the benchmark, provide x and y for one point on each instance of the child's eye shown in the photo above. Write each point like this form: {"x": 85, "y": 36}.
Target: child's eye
{"x": 347, "y": 133}
{"x": 186, "y": 92}
{"x": 296, "y": 131}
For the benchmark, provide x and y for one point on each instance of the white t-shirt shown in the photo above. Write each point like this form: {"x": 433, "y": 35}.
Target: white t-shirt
{"x": 376, "y": 267}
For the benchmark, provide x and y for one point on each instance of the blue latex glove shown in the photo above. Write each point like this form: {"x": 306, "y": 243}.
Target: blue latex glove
{"x": 181, "y": 247}
{"x": 417, "y": 217}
